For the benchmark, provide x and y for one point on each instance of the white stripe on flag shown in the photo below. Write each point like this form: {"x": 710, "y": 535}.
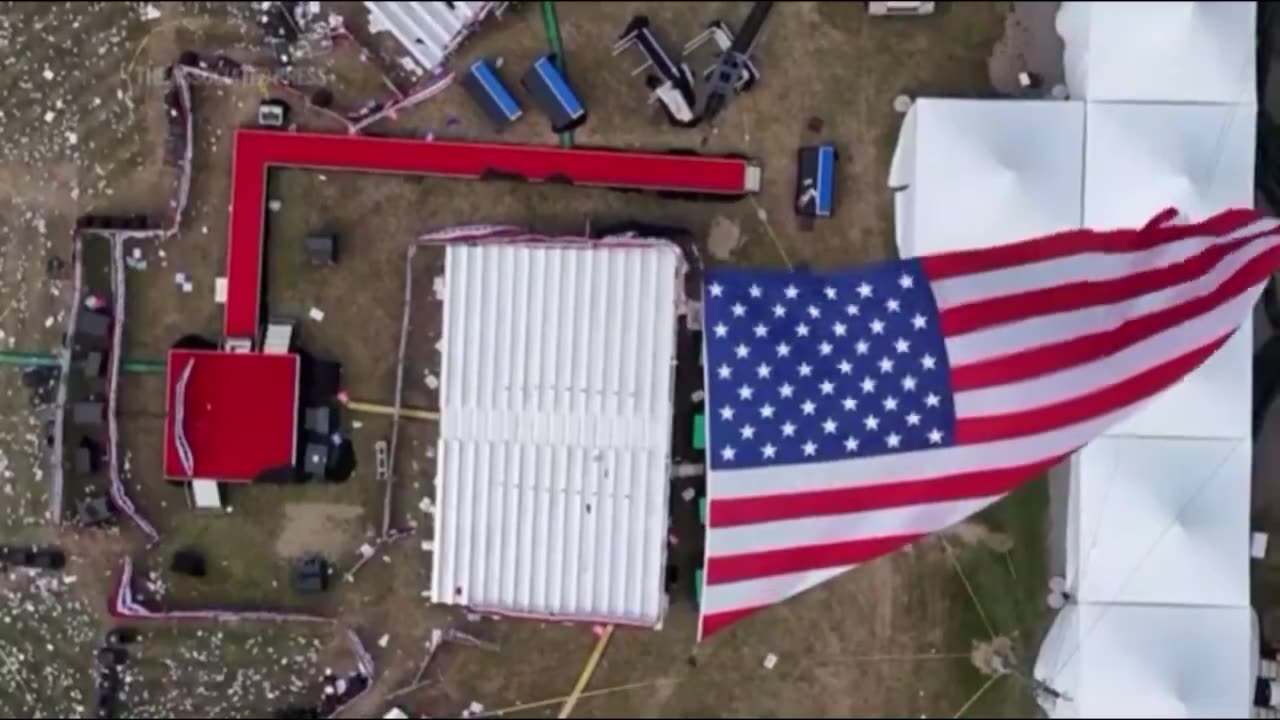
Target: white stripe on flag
{"x": 832, "y": 529}
{"x": 880, "y": 469}
{"x": 1043, "y": 330}
{"x": 757, "y": 592}
{"x": 960, "y": 290}
{"x": 1083, "y": 379}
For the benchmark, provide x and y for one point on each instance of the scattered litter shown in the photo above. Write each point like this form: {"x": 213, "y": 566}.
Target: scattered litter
{"x": 427, "y": 506}
{"x": 475, "y": 707}
{"x": 50, "y": 116}
{"x": 428, "y": 546}
{"x": 48, "y": 74}
{"x": 316, "y": 314}
{"x": 48, "y": 322}
{"x": 437, "y": 286}
{"x": 382, "y": 641}
{"x": 180, "y": 278}
{"x": 136, "y": 253}
{"x": 770, "y": 661}
{"x": 431, "y": 380}
{"x": 187, "y": 287}
{"x": 275, "y": 205}
{"x": 689, "y": 494}
{"x": 1258, "y": 546}
{"x": 474, "y": 617}
{"x": 150, "y": 12}
{"x": 357, "y": 424}
{"x": 365, "y": 550}
{"x": 386, "y": 558}
{"x": 220, "y": 290}
{"x": 697, "y": 396}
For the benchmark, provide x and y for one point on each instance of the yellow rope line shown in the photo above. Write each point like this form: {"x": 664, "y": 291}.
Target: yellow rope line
{"x": 951, "y": 554}
{"x": 764, "y": 220}
{"x": 556, "y": 700}
{"x": 981, "y": 691}
{"x": 587, "y": 671}
{"x": 380, "y": 409}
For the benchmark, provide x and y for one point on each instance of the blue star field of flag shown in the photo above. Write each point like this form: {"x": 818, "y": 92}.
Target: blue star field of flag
{"x": 810, "y": 367}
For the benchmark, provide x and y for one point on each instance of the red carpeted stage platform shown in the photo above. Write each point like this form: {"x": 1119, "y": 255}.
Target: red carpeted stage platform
{"x": 257, "y": 150}
{"x": 236, "y": 414}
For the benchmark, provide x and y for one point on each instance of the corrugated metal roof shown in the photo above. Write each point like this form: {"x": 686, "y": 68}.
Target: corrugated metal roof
{"x": 428, "y": 30}
{"x": 555, "y": 436}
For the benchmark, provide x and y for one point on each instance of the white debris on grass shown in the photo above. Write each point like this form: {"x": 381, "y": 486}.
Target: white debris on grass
{"x": 48, "y": 627}
{"x": 770, "y": 661}
{"x": 382, "y": 641}
{"x": 427, "y": 506}
{"x": 316, "y": 314}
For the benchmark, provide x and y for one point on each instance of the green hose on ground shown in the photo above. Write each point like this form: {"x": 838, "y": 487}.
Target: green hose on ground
{"x": 552, "y": 26}
{"x": 34, "y": 359}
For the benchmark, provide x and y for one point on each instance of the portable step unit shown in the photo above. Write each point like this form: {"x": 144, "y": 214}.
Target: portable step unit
{"x": 551, "y": 91}
{"x": 484, "y": 85}
{"x": 278, "y": 338}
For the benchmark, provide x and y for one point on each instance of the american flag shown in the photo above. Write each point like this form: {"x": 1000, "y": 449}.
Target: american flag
{"x": 851, "y": 413}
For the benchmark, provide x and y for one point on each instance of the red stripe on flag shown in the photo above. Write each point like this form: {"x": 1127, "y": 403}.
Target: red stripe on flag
{"x": 716, "y": 621}
{"x": 747, "y": 566}
{"x": 769, "y": 508}
{"x": 1091, "y": 405}
{"x": 1079, "y": 295}
{"x": 1076, "y": 242}
{"x": 1052, "y": 358}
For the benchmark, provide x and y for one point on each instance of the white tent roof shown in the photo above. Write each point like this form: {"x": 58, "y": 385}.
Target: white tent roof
{"x": 1150, "y": 661}
{"x": 555, "y": 430}
{"x": 1160, "y": 520}
{"x": 1159, "y": 51}
{"x": 1143, "y": 158}
{"x": 976, "y": 173}
{"x": 1140, "y": 159}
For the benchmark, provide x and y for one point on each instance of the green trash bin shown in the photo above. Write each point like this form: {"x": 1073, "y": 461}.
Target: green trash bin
{"x": 700, "y": 432}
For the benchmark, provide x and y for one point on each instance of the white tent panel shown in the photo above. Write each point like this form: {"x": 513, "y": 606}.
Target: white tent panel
{"x": 1141, "y": 159}
{"x": 1161, "y": 520}
{"x": 1213, "y": 401}
{"x": 555, "y": 433}
{"x": 978, "y": 173}
{"x": 1196, "y": 52}
{"x": 1149, "y": 661}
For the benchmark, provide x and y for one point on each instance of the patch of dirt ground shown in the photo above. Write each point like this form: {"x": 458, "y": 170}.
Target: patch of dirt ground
{"x": 317, "y": 528}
